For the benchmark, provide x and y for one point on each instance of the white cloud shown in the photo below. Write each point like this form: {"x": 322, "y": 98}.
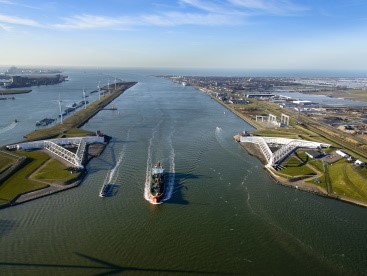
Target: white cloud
{"x": 205, "y": 13}
{"x": 9, "y": 2}
{"x": 87, "y": 21}
{"x": 18, "y": 21}
{"x": 279, "y": 7}
{"x": 219, "y": 8}
{"x": 209, "y": 7}
{"x": 5, "y": 27}
{"x": 179, "y": 18}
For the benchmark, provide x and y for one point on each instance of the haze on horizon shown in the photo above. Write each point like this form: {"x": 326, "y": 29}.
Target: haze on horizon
{"x": 247, "y": 34}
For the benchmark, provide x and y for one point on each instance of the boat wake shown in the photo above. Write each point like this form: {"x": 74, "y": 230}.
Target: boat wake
{"x": 149, "y": 167}
{"x": 169, "y": 183}
{"x": 171, "y": 179}
{"x": 9, "y": 127}
{"x": 112, "y": 174}
{"x": 223, "y": 142}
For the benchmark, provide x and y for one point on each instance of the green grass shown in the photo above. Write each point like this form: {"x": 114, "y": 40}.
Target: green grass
{"x": 362, "y": 171}
{"x": 317, "y": 164}
{"x": 77, "y": 132}
{"x": 6, "y": 161}
{"x": 346, "y": 181}
{"x": 279, "y": 132}
{"x": 295, "y": 167}
{"x": 54, "y": 171}
{"x": 78, "y": 118}
{"x": 302, "y": 155}
{"x": 19, "y": 183}
{"x": 318, "y": 181}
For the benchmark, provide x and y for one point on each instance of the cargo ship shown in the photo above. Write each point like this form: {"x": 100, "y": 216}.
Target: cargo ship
{"x": 157, "y": 184}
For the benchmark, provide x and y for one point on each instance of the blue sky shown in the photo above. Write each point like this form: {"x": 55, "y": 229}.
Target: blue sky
{"x": 248, "y": 34}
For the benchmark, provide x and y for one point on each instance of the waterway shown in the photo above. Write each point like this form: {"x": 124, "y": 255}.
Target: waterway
{"x": 223, "y": 214}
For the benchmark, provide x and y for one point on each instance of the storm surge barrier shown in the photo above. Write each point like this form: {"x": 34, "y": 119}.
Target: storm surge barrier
{"x": 73, "y": 158}
{"x": 285, "y": 146}
{"x": 57, "y": 147}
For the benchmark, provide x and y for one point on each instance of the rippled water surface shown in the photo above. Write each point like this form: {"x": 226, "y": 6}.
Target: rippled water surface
{"x": 222, "y": 213}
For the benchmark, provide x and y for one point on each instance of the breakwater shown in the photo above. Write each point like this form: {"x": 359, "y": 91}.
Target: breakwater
{"x": 82, "y": 116}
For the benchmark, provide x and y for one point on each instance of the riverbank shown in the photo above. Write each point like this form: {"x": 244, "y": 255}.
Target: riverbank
{"x": 93, "y": 150}
{"x": 14, "y": 91}
{"x": 69, "y": 127}
{"x": 344, "y": 181}
{"x": 238, "y": 114}
{"x": 79, "y": 118}
{"x": 254, "y": 150}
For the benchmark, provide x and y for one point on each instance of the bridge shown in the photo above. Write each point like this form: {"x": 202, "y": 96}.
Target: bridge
{"x": 286, "y": 146}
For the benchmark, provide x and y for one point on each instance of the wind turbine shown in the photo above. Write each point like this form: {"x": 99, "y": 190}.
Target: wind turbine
{"x": 60, "y": 108}
{"x": 115, "y": 83}
{"x": 99, "y": 90}
{"x": 108, "y": 86}
{"x": 85, "y": 103}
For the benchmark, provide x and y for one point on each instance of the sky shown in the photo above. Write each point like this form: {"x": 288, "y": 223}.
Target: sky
{"x": 246, "y": 34}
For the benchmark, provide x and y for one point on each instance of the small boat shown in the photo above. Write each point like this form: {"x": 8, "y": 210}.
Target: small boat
{"x": 105, "y": 190}
{"x": 157, "y": 186}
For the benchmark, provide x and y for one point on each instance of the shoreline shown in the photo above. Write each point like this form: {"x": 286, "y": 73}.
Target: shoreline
{"x": 56, "y": 188}
{"x": 301, "y": 185}
{"x": 81, "y": 117}
{"x": 15, "y": 91}
{"x": 93, "y": 150}
{"x": 235, "y": 112}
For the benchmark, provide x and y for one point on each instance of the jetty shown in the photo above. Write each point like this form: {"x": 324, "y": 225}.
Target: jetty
{"x": 82, "y": 116}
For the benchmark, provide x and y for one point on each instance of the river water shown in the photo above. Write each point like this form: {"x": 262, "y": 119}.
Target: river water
{"x": 222, "y": 214}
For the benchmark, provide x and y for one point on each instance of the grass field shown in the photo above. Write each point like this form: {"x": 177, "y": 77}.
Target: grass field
{"x": 54, "y": 171}
{"x": 19, "y": 183}
{"x": 345, "y": 178}
{"x": 77, "y": 132}
{"x": 346, "y": 181}
{"x": 6, "y": 161}
{"x": 295, "y": 167}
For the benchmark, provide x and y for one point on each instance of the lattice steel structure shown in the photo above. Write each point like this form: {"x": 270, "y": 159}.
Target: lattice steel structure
{"x": 288, "y": 146}
{"x": 75, "y": 159}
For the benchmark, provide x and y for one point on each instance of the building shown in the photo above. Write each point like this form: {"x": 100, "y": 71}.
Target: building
{"x": 359, "y": 163}
{"x": 314, "y": 154}
{"x": 342, "y": 153}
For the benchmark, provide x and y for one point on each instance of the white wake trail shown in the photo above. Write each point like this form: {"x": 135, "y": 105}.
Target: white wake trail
{"x": 113, "y": 173}
{"x": 149, "y": 165}
{"x": 171, "y": 180}
{"x": 9, "y": 127}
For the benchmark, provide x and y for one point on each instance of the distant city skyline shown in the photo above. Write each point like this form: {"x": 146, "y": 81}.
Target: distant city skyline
{"x": 246, "y": 34}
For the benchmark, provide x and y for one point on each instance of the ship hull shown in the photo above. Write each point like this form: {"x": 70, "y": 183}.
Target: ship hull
{"x": 157, "y": 198}
{"x": 157, "y": 188}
